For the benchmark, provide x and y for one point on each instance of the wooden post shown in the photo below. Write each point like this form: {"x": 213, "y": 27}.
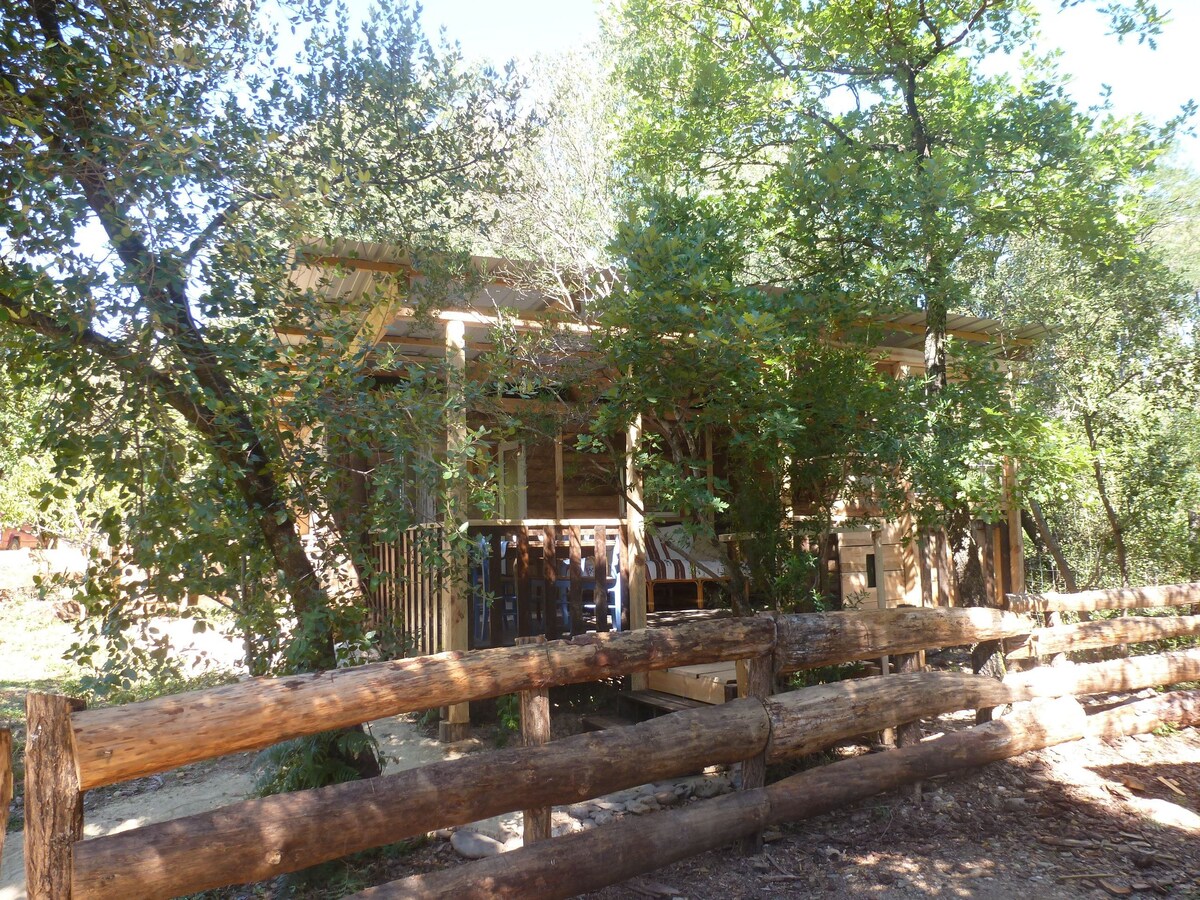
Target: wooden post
{"x": 524, "y": 588}
{"x": 887, "y": 736}
{"x": 1016, "y": 543}
{"x": 535, "y": 731}
{"x": 760, "y": 683}
{"x": 53, "y": 801}
{"x": 550, "y": 577}
{"x": 926, "y": 569}
{"x": 6, "y": 781}
{"x": 600, "y": 574}
{"x": 559, "y": 488}
{"x": 910, "y": 733}
{"x": 575, "y": 591}
{"x": 455, "y": 598}
{"x": 636, "y": 518}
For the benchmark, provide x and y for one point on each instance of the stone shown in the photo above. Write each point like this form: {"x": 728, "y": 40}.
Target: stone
{"x": 667, "y": 798}
{"x": 580, "y": 810}
{"x": 602, "y": 816}
{"x": 473, "y": 845}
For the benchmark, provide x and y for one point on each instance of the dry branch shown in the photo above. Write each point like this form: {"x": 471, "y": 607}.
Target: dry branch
{"x": 190, "y": 727}
{"x": 1120, "y": 598}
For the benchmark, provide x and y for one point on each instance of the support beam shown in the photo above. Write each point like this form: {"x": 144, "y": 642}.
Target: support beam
{"x": 455, "y": 599}
{"x": 535, "y": 732}
{"x": 636, "y": 529}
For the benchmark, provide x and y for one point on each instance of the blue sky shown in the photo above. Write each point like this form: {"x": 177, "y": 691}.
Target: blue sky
{"x": 1155, "y": 83}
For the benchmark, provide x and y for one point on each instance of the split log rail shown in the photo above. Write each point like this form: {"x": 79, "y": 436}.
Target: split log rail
{"x": 72, "y": 750}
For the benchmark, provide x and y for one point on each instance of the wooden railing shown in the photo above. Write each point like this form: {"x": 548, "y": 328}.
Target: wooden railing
{"x": 517, "y": 589}
{"x": 412, "y": 588}
{"x": 72, "y": 750}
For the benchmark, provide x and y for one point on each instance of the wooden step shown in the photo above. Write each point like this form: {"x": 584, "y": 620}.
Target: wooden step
{"x": 648, "y": 704}
{"x": 603, "y": 723}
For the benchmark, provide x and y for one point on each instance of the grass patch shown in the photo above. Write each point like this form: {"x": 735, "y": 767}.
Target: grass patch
{"x": 34, "y": 643}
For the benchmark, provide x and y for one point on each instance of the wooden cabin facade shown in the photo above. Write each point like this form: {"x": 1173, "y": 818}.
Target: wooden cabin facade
{"x": 567, "y": 548}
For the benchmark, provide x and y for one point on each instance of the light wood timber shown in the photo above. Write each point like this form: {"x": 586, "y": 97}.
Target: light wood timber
{"x": 1130, "y": 674}
{"x": 575, "y": 572}
{"x": 600, "y": 576}
{"x": 1103, "y": 633}
{"x": 203, "y": 724}
{"x": 53, "y": 799}
{"x": 261, "y": 838}
{"x": 1156, "y": 596}
{"x": 6, "y": 781}
{"x": 535, "y": 731}
{"x": 636, "y": 530}
{"x": 807, "y": 640}
{"x": 454, "y": 601}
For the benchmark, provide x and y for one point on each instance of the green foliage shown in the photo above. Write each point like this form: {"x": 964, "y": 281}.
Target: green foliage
{"x": 508, "y": 718}
{"x": 313, "y": 761}
{"x": 798, "y": 169}
{"x": 155, "y": 198}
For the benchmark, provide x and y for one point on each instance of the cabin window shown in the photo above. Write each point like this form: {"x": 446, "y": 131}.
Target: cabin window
{"x": 871, "y": 580}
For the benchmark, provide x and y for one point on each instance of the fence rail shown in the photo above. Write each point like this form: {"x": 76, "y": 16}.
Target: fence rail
{"x": 72, "y": 750}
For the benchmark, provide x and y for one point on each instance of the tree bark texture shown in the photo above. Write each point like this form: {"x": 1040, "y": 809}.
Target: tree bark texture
{"x": 190, "y": 727}
{"x": 1154, "y": 596}
{"x": 587, "y": 861}
{"x": 1104, "y": 633}
{"x": 6, "y": 781}
{"x": 258, "y": 839}
{"x": 53, "y": 799}
{"x": 808, "y": 640}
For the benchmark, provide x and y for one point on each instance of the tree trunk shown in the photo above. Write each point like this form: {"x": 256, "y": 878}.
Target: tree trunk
{"x": 1110, "y": 512}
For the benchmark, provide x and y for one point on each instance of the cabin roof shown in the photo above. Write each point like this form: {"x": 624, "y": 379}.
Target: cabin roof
{"x": 351, "y": 269}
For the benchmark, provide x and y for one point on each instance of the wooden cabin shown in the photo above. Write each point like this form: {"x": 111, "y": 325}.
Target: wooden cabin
{"x": 567, "y": 549}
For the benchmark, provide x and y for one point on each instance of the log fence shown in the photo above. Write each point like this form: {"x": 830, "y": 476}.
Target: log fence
{"x": 72, "y": 750}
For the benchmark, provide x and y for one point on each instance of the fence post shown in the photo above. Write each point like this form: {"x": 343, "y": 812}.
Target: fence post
{"x": 535, "y": 730}
{"x": 760, "y": 683}
{"x": 53, "y": 801}
{"x": 6, "y": 781}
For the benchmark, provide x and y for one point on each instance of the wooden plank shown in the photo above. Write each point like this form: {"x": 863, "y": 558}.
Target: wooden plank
{"x": 575, "y": 570}
{"x": 535, "y": 731}
{"x": 550, "y": 578}
{"x": 600, "y": 572}
{"x": 705, "y": 689}
{"x": 53, "y": 798}
{"x": 256, "y": 713}
{"x": 524, "y": 586}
